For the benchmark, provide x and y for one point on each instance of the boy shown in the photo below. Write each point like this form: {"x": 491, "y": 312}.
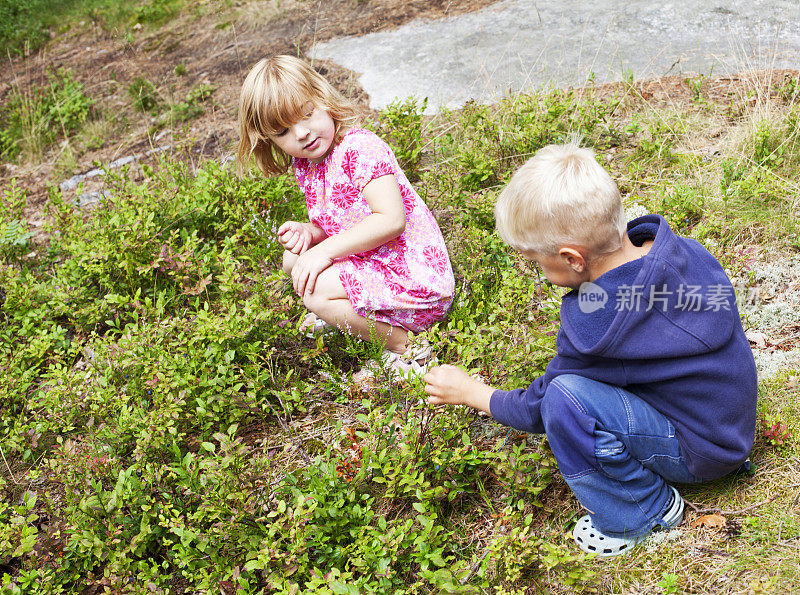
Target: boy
{"x": 653, "y": 379}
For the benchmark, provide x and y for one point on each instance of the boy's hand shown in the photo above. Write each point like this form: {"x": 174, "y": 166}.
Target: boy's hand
{"x": 448, "y": 385}
{"x": 306, "y": 269}
{"x": 296, "y": 237}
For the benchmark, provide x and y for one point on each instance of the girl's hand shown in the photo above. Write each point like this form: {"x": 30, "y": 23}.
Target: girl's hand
{"x": 296, "y": 237}
{"x": 448, "y": 385}
{"x": 305, "y": 270}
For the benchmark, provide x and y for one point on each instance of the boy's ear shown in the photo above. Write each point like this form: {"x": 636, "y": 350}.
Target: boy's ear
{"x": 573, "y": 259}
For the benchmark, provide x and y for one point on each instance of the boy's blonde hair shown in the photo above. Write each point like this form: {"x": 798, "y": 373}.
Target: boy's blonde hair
{"x": 561, "y": 196}
{"x": 273, "y": 97}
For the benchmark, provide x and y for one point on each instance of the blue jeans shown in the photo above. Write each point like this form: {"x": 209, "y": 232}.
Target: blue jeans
{"x": 615, "y": 451}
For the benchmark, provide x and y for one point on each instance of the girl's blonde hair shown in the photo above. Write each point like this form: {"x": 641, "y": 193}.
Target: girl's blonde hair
{"x": 274, "y": 96}
{"x": 561, "y": 196}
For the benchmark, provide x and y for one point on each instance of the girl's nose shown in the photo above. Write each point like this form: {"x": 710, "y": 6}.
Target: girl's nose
{"x": 300, "y": 131}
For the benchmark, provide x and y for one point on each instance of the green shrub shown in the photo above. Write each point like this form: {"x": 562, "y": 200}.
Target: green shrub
{"x": 193, "y": 105}
{"x": 177, "y": 430}
{"x": 14, "y": 233}
{"x": 25, "y": 24}
{"x": 400, "y": 124}
{"x": 144, "y": 95}
{"x": 31, "y": 120}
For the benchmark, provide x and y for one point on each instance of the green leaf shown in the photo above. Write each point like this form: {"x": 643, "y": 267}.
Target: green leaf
{"x": 26, "y": 545}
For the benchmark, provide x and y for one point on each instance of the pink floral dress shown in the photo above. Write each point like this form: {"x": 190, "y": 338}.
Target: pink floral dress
{"x": 406, "y": 282}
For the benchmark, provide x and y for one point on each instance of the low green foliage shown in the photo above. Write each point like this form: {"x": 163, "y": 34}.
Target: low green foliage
{"x": 31, "y": 120}
{"x": 159, "y": 408}
{"x": 144, "y": 95}
{"x": 401, "y": 124}
{"x": 194, "y": 104}
{"x": 156, "y": 12}
{"x": 25, "y": 24}
{"x": 14, "y": 232}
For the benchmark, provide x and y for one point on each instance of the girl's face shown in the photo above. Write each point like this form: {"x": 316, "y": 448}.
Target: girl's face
{"x": 310, "y": 138}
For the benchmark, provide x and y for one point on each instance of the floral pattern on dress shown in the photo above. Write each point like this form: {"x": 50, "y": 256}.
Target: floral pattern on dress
{"x": 328, "y": 224}
{"x": 406, "y": 282}
{"x": 350, "y": 283}
{"x": 344, "y": 195}
{"x": 311, "y": 198}
{"x": 408, "y": 198}
{"x": 436, "y": 259}
{"x": 382, "y": 169}
{"x": 349, "y": 162}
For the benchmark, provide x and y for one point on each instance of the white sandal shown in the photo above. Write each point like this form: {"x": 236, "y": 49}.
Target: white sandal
{"x": 313, "y": 326}
{"x": 592, "y": 541}
{"x": 414, "y": 363}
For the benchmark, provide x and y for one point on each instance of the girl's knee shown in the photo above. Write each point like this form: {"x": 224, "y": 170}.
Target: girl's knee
{"x": 312, "y": 302}
{"x": 318, "y": 300}
{"x": 289, "y": 258}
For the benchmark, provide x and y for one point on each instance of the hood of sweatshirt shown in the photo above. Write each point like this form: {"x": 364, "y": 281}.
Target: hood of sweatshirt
{"x": 663, "y": 312}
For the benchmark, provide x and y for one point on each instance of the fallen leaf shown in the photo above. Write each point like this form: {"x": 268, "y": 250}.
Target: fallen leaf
{"x": 710, "y": 521}
{"x": 757, "y": 338}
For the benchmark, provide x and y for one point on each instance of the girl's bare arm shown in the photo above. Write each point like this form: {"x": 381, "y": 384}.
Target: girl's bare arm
{"x": 387, "y": 221}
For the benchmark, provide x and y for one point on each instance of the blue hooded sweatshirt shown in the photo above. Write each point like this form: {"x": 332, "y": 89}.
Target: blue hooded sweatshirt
{"x": 668, "y": 331}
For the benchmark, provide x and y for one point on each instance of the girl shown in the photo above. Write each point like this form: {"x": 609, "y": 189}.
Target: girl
{"x": 371, "y": 259}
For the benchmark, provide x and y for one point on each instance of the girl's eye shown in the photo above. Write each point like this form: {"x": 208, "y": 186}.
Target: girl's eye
{"x": 310, "y": 112}
{"x": 282, "y": 132}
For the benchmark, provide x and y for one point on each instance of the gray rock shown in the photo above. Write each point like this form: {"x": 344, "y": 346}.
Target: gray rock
{"x": 521, "y": 45}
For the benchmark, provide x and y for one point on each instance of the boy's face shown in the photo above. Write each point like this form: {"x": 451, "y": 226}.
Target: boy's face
{"x": 567, "y": 268}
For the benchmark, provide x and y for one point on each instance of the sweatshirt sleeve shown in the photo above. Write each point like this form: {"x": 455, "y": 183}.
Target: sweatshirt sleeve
{"x": 521, "y": 408}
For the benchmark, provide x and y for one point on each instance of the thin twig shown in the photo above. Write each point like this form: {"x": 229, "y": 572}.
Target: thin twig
{"x": 786, "y": 543}
{"x": 7, "y": 467}
{"x": 474, "y": 568}
{"x": 295, "y": 440}
{"x": 692, "y": 505}
{"x": 731, "y": 512}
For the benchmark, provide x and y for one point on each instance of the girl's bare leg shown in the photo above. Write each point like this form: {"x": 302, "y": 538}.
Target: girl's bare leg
{"x": 330, "y": 302}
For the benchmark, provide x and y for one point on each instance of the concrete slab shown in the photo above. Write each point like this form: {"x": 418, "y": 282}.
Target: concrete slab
{"x": 520, "y": 44}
